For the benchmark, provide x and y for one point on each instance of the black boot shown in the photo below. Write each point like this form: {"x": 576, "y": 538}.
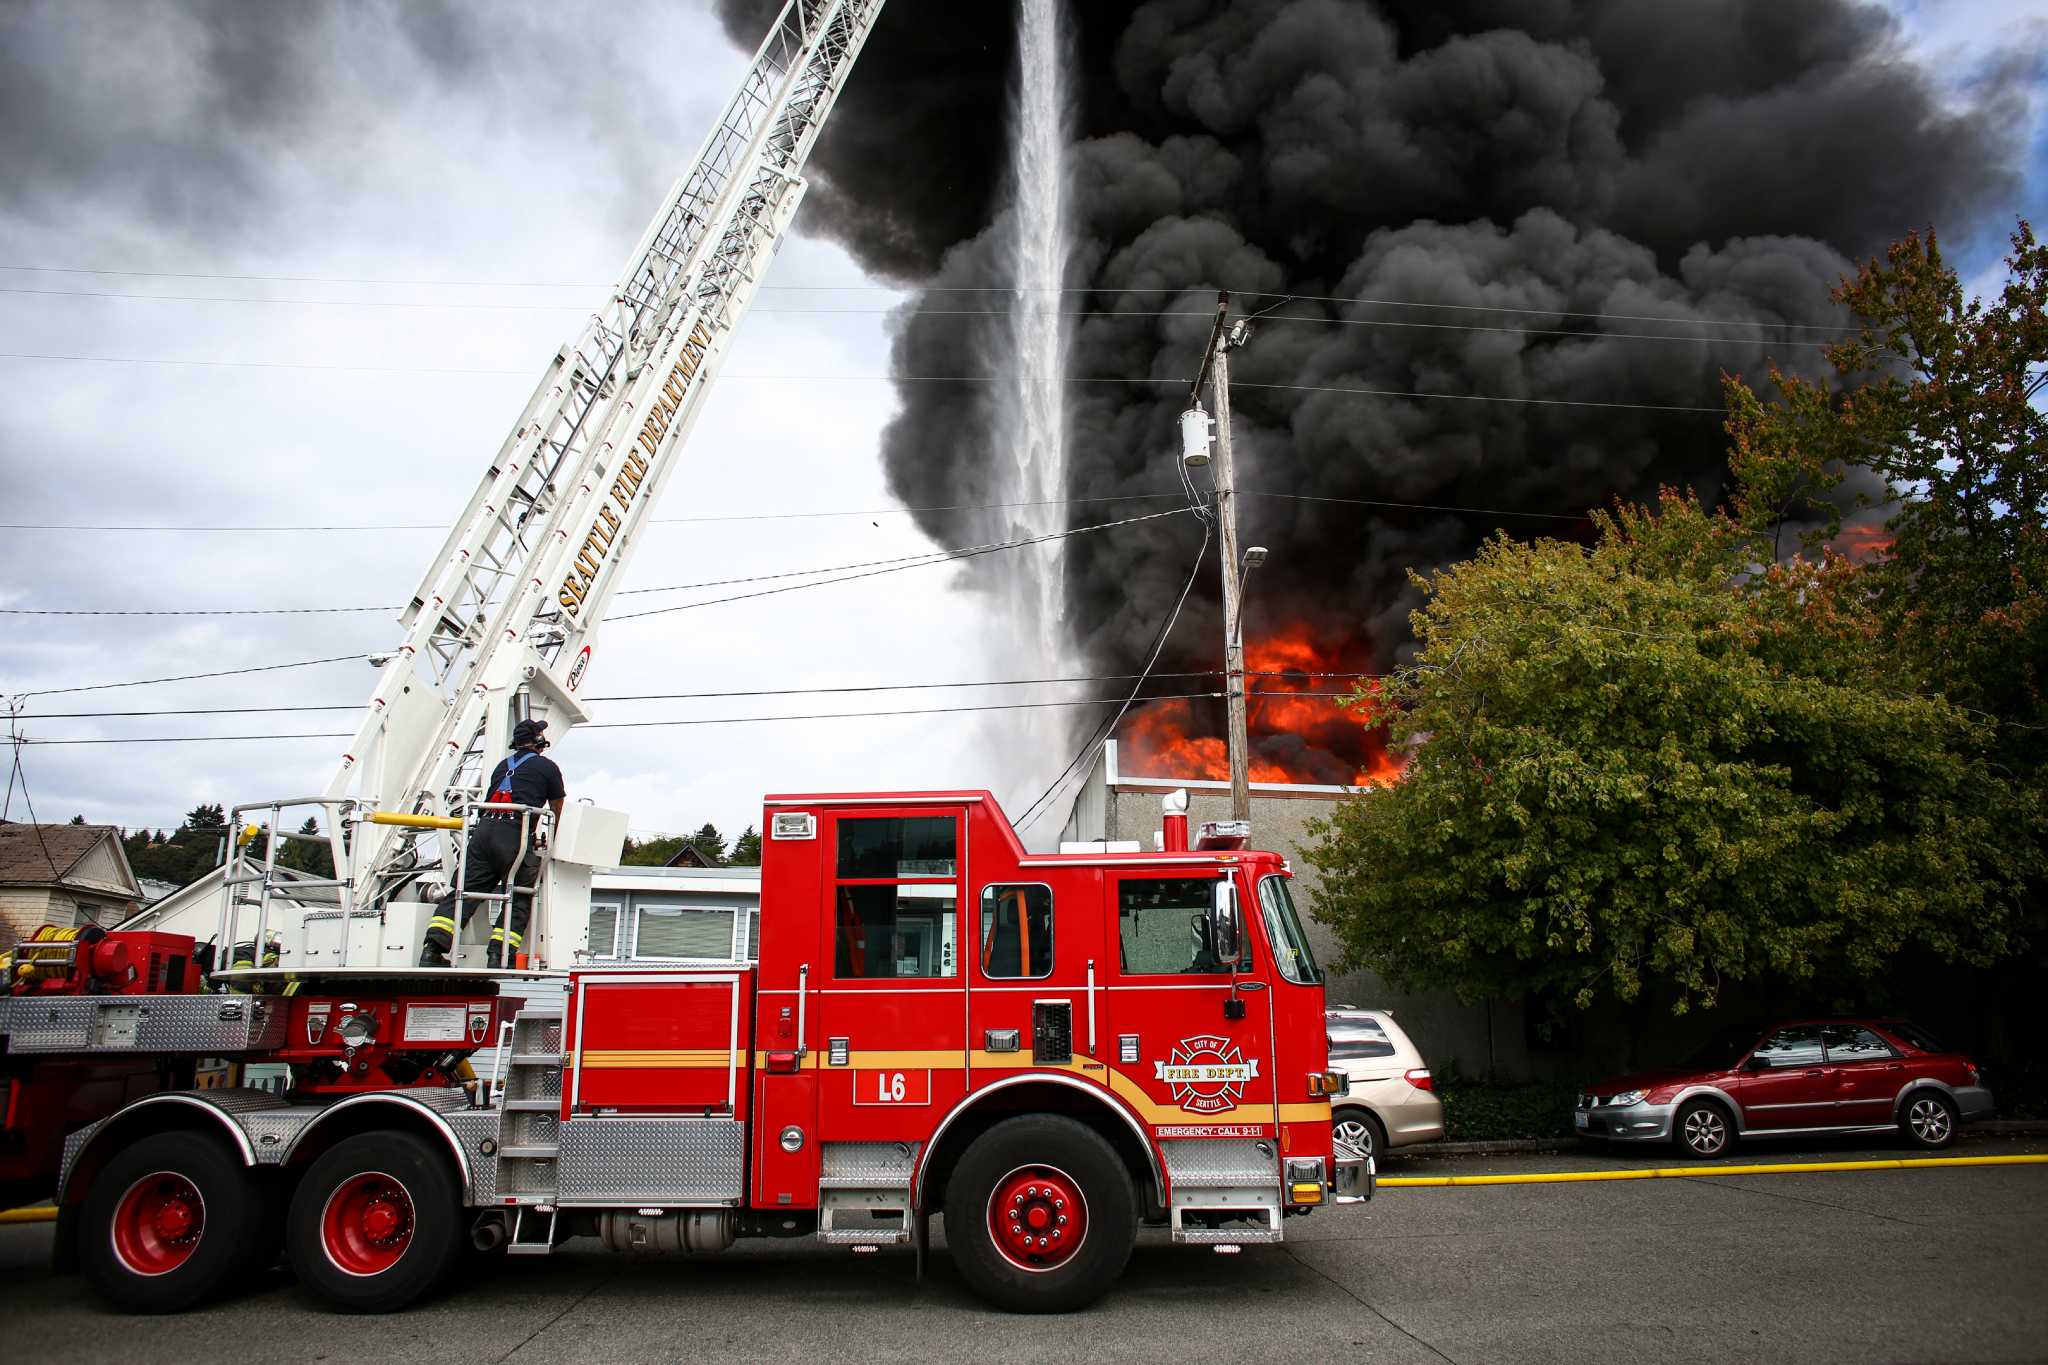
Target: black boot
{"x": 432, "y": 956}
{"x": 495, "y": 958}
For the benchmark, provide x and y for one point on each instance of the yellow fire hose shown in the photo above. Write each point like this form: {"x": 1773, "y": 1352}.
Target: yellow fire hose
{"x": 1684, "y": 1172}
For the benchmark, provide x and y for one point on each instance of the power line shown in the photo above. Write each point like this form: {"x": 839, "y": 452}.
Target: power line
{"x": 1123, "y": 703}
{"x": 1521, "y": 309}
{"x": 653, "y": 521}
{"x": 188, "y": 677}
{"x": 14, "y": 737}
{"x": 947, "y": 557}
{"x": 939, "y": 557}
{"x": 1415, "y": 394}
{"x": 748, "y": 692}
{"x": 1095, "y": 736}
{"x": 1411, "y": 506}
{"x": 912, "y": 310}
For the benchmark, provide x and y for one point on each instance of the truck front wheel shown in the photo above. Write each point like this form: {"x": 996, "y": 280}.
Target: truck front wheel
{"x": 375, "y": 1223}
{"x": 170, "y": 1222}
{"x": 1040, "y": 1215}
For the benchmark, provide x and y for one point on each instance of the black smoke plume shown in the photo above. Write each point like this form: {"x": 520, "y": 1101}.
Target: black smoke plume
{"x": 1597, "y": 205}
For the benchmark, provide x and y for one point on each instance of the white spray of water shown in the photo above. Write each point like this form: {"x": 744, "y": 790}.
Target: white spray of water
{"x": 1029, "y": 447}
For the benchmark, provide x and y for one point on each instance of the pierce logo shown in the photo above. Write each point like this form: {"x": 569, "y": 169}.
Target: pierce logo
{"x": 576, "y": 669}
{"x": 316, "y": 1022}
{"x": 479, "y": 1022}
{"x": 1206, "y": 1074}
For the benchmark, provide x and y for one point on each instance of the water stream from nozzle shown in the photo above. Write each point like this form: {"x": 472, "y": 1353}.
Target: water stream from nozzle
{"x": 1029, "y": 445}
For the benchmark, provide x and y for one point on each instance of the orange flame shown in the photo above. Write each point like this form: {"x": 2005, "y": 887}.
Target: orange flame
{"x": 1300, "y": 732}
{"x": 1862, "y": 544}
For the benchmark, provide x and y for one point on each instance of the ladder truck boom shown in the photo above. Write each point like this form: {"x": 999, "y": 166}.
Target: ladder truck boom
{"x": 503, "y": 621}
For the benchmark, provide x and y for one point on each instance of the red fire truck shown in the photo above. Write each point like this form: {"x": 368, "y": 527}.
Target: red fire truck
{"x": 1048, "y": 1051}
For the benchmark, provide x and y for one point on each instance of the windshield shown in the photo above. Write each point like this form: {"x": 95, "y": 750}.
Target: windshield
{"x": 1283, "y": 927}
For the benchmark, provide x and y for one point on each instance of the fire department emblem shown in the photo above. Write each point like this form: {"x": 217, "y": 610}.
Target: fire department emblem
{"x": 1206, "y": 1074}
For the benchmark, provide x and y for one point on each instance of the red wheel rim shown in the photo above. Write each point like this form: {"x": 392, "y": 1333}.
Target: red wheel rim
{"x": 367, "y": 1224}
{"x": 158, "y": 1223}
{"x": 1037, "y": 1217}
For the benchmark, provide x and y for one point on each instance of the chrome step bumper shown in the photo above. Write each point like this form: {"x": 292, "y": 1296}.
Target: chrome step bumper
{"x": 1352, "y": 1175}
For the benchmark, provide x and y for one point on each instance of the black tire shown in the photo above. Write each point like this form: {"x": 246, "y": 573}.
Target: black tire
{"x": 1367, "y": 1125}
{"x": 170, "y": 1222}
{"x": 1074, "y": 1161}
{"x": 1703, "y": 1129}
{"x": 1928, "y": 1120}
{"x": 376, "y": 1223}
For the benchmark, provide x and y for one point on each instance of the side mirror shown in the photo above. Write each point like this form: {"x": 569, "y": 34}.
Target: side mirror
{"x": 1226, "y": 927}
{"x": 1757, "y": 1062}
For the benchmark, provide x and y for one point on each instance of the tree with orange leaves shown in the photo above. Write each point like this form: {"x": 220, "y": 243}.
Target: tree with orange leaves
{"x": 1936, "y": 395}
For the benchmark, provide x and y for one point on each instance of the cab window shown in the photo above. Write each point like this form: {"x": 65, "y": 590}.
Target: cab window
{"x": 1016, "y": 931}
{"x": 1163, "y": 926}
{"x": 895, "y": 901}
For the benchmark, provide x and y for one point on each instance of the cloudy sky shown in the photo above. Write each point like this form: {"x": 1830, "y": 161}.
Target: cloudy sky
{"x": 288, "y": 266}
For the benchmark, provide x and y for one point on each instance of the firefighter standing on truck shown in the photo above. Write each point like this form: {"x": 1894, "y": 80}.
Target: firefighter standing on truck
{"x": 524, "y": 777}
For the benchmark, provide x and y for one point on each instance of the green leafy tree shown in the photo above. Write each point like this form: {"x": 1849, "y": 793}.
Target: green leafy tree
{"x": 709, "y": 843}
{"x": 1649, "y": 765}
{"x": 746, "y": 850}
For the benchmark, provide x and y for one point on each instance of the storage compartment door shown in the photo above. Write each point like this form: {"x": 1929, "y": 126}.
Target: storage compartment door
{"x": 657, "y": 1043}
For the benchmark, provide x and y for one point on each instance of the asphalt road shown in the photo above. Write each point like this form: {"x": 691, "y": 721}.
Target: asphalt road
{"x": 1892, "y": 1266}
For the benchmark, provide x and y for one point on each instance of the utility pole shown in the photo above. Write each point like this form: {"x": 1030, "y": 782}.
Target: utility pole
{"x": 1216, "y": 365}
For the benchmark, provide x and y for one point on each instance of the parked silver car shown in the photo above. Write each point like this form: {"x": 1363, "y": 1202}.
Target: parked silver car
{"x": 1392, "y": 1101}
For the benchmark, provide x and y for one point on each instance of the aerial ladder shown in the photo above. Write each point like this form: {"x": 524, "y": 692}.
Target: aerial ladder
{"x": 503, "y": 622}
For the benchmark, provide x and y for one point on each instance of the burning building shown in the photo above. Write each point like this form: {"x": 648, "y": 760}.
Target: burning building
{"x": 1504, "y": 250}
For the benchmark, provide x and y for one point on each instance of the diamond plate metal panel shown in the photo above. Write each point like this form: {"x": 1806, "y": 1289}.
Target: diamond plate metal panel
{"x": 473, "y": 1128}
{"x": 523, "y": 1128}
{"x": 651, "y": 1161}
{"x": 1219, "y": 1161}
{"x": 866, "y": 1165}
{"x": 272, "y": 1133}
{"x": 208, "y": 1024}
{"x": 534, "y": 1083}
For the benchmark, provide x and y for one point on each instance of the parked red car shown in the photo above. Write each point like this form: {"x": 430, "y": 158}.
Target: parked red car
{"x": 1799, "y": 1077}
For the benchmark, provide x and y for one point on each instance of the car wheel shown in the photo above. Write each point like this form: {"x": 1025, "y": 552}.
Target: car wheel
{"x": 170, "y": 1222}
{"x": 1928, "y": 1119}
{"x": 1362, "y": 1129}
{"x": 376, "y": 1222}
{"x": 1040, "y": 1215}
{"x": 1703, "y": 1129}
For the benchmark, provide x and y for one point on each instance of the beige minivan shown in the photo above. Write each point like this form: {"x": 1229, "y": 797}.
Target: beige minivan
{"x": 1392, "y": 1101}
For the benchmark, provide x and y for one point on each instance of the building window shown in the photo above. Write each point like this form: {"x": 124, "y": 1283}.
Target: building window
{"x": 1016, "y": 931}
{"x": 754, "y": 935}
{"x": 683, "y": 931}
{"x": 604, "y": 931}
